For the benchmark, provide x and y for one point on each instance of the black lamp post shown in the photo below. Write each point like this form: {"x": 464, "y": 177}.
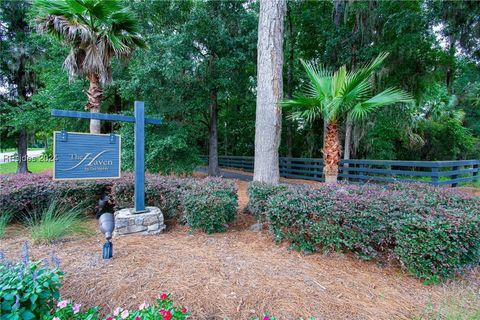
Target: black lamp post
{"x": 107, "y": 224}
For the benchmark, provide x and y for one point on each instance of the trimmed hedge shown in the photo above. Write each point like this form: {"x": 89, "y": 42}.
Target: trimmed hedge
{"x": 163, "y": 192}
{"x": 258, "y": 195}
{"x": 23, "y": 193}
{"x": 210, "y": 204}
{"x": 433, "y": 232}
{"x": 207, "y": 204}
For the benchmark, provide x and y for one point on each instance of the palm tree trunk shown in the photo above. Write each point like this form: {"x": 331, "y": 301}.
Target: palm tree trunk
{"x": 331, "y": 153}
{"x": 95, "y": 96}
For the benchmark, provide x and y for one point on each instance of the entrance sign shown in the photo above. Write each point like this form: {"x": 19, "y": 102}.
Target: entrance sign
{"x": 139, "y": 120}
{"x": 86, "y": 156}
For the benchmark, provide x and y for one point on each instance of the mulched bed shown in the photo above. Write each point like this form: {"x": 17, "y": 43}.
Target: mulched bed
{"x": 237, "y": 274}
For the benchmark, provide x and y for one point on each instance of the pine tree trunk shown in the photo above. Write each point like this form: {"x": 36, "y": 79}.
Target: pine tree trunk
{"x": 268, "y": 121}
{"x": 95, "y": 96}
{"x": 291, "y": 47}
{"x": 213, "y": 169}
{"x": 331, "y": 153}
{"x": 22, "y": 149}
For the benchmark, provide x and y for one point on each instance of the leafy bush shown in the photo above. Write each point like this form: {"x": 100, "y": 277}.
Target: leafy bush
{"x": 164, "y": 308}
{"x": 23, "y": 193}
{"x": 207, "y": 204}
{"x": 210, "y": 204}
{"x": 433, "y": 232}
{"x": 160, "y": 191}
{"x": 258, "y": 194}
{"x": 56, "y": 222}
{"x": 28, "y": 288}
{"x": 168, "y": 149}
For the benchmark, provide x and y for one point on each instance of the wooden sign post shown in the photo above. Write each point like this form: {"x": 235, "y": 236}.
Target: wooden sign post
{"x": 139, "y": 120}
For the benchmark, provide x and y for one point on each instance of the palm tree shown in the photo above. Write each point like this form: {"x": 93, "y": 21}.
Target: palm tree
{"x": 335, "y": 95}
{"x": 96, "y": 31}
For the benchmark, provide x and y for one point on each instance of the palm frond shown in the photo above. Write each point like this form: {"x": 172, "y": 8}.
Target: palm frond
{"x": 387, "y": 97}
{"x": 96, "y": 30}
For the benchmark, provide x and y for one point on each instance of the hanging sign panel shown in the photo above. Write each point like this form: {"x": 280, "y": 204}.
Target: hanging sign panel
{"x": 86, "y": 156}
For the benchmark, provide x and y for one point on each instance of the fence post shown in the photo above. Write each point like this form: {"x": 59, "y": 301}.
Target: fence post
{"x": 475, "y": 166}
{"x": 435, "y": 177}
{"x": 454, "y": 176}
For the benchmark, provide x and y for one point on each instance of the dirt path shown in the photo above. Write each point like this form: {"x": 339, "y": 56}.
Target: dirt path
{"x": 239, "y": 274}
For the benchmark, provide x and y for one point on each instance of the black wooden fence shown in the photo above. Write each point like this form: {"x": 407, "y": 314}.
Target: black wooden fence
{"x": 433, "y": 172}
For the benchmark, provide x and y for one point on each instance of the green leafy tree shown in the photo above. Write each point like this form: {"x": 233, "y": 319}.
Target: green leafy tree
{"x": 97, "y": 31}
{"x": 335, "y": 95}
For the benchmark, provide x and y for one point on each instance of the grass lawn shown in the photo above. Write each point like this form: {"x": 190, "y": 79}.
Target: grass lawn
{"x": 33, "y": 166}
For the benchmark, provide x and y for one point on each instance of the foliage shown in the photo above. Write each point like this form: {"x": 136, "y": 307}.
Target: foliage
{"x": 258, "y": 195}
{"x": 168, "y": 149}
{"x": 23, "y": 193}
{"x": 189, "y": 200}
{"x": 164, "y": 308}
{"x": 333, "y": 95}
{"x": 162, "y": 192}
{"x": 210, "y": 205}
{"x": 96, "y": 30}
{"x": 5, "y": 218}
{"x": 433, "y": 232}
{"x": 28, "y": 288}
{"x": 56, "y": 222}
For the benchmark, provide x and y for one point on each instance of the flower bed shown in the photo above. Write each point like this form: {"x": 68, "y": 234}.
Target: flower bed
{"x": 433, "y": 232}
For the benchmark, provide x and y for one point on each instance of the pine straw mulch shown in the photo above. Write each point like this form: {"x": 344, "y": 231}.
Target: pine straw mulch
{"x": 239, "y": 274}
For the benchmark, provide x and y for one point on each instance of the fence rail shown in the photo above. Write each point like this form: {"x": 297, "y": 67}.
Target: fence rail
{"x": 433, "y": 172}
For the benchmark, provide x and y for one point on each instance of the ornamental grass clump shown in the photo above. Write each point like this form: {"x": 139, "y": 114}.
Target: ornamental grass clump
{"x": 56, "y": 222}
{"x": 28, "y": 288}
{"x": 5, "y": 217}
{"x": 433, "y": 232}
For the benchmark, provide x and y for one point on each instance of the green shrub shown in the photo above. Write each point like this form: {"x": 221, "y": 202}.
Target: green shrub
{"x": 56, "y": 222}
{"x": 258, "y": 194}
{"x": 23, "y": 193}
{"x": 432, "y": 231}
{"x": 28, "y": 288}
{"x": 210, "y": 205}
{"x": 435, "y": 247}
{"x": 162, "y": 192}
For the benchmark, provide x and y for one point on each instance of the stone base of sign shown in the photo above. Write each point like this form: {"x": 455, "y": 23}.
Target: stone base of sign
{"x": 128, "y": 222}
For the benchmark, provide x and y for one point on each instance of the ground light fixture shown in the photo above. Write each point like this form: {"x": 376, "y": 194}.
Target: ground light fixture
{"x": 107, "y": 224}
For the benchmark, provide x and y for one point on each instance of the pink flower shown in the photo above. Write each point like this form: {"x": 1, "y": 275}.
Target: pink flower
{"x": 143, "y": 306}
{"x": 124, "y": 314}
{"x": 62, "y": 304}
{"x": 117, "y": 311}
{"x": 163, "y": 296}
{"x": 184, "y": 310}
{"x": 167, "y": 315}
{"x": 55, "y": 318}
{"x": 138, "y": 318}
{"x": 266, "y": 318}
{"x": 76, "y": 308}
{"x": 109, "y": 318}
